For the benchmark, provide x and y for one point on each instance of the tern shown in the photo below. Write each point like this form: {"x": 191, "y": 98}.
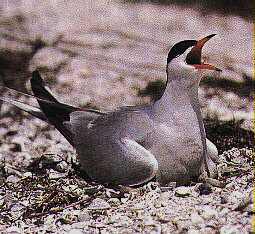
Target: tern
{"x": 165, "y": 140}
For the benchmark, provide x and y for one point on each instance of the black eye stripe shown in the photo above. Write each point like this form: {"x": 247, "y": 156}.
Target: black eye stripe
{"x": 179, "y": 49}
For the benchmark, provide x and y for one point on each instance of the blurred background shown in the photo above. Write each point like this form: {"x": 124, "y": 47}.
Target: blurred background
{"x": 108, "y": 54}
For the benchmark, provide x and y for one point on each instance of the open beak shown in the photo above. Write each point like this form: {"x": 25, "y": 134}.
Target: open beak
{"x": 194, "y": 56}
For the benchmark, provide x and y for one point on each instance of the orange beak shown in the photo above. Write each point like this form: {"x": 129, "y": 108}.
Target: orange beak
{"x": 194, "y": 56}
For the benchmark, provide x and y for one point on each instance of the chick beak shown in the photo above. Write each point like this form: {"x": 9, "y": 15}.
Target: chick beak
{"x": 194, "y": 56}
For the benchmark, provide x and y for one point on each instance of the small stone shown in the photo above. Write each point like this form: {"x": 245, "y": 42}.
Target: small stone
{"x": 99, "y": 204}
{"x": 25, "y": 203}
{"x": 225, "y": 211}
{"x": 209, "y": 213}
{"x": 111, "y": 193}
{"x": 205, "y": 189}
{"x": 12, "y": 179}
{"x": 13, "y": 230}
{"x": 182, "y": 191}
{"x": 193, "y": 231}
{"x": 75, "y": 231}
{"x": 230, "y": 185}
{"x": 53, "y": 175}
{"x": 124, "y": 200}
{"x": 196, "y": 218}
{"x": 17, "y": 210}
{"x": 62, "y": 166}
{"x": 235, "y": 197}
{"x": 84, "y": 216}
{"x": 165, "y": 189}
{"x": 217, "y": 190}
{"x": 152, "y": 186}
{"x": 114, "y": 201}
{"x": 244, "y": 203}
{"x": 27, "y": 174}
{"x": 150, "y": 222}
{"x": 163, "y": 200}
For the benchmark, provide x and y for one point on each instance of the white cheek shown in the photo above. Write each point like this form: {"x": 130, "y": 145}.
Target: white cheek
{"x": 186, "y": 66}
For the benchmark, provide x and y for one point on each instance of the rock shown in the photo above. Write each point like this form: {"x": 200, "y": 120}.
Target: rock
{"x": 13, "y": 230}
{"x": 163, "y": 199}
{"x": 84, "y": 216}
{"x": 244, "y": 203}
{"x": 13, "y": 179}
{"x": 53, "y": 175}
{"x": 75, "y": 231}
{"x": 149, "y": 221}
{"x": 114, "y": 201}
{"x": 196, "y": 219}
{"x": 99, "y": 204}
{"x": 182, "y": 191}
{"x": 209, "y": 213}
{"x": 27, "y": 174}
{"x": 193, "y": 231}
{"x": 204, "y": 189}
{"x": 17, "y": 210}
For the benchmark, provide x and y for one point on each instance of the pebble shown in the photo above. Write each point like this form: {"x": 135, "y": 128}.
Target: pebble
{"x": 217, "y": 190}
{"x": 13, "y": 230}
{"x": 150, "y": 222}
{"x": 165, "y": 189}
{"x": 235, "y": 197}
{"x": 27, "y": 174}
{"x": 163, "y": 200}
{"x": 243, "y": 203}
{"x": 124, "y": 200}
{"x": 182, "y": 191}
{"x": 12, "y": 179}
{"x": 196, "y": 218}
{"x": 225, "y": 211}
{"x": 209, "y": 213}
{"x": 99, "y": 204}
{"x": 230, "y": 185}
{"x": 114, "y": 201}
{"x": 17, "y": 210}
{"x": 205, "y": 189}
{"x": 193, "y": 231}
{"x": 83, "y": 216}
{"x": 75, "y": 231}
{"x": 56, "y": 175}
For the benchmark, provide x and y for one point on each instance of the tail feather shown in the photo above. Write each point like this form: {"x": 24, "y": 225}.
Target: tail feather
{"x": 57, "y": 113}
{"x": 51, "y": 110}
{"x": 27, "y": 108}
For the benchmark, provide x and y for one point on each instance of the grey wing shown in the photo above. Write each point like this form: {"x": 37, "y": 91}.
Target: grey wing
{"x": 133, "y": 123}
{"x": 108, "y": 147}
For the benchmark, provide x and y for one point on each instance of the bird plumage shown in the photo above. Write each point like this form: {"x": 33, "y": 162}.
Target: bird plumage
{"x": 131, "y": 145}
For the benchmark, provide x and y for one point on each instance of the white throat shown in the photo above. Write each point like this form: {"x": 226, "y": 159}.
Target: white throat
{"x": 180, "y": 106}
